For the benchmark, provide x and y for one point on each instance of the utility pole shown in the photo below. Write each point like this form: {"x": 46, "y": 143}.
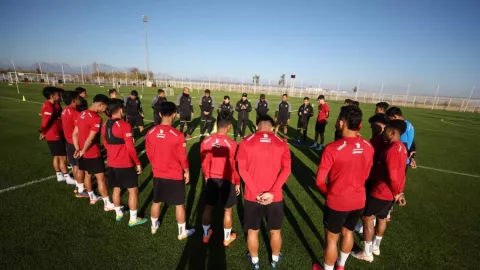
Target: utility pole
{"x": 145, "y": 21}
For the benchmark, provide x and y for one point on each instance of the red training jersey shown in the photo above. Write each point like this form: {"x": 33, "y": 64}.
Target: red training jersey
{"x": 69, "y": 116}
{"x": 347, "y": 162}
{"x": 218, "y": 158}
{"x": 388, "y": 179}
{"x": 89, "y": 121}
{"x": 121, "y": 155}
{"x": 264, "y": 163}
{"x": 166, "y": 150}
{"x": 323, "y": 111}
{"x": 51, "y": 121}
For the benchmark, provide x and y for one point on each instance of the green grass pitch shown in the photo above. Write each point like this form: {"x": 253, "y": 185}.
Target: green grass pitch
{"x": 43, "y": 226}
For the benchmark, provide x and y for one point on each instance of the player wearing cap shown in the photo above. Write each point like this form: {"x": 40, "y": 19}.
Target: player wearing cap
{"x": 282, "y": 115}
{"x": 304, "y": 113}
{"x": 69, "y": 116}
{"x": 262, "y": 106}
{"x": 388, "y": 181}
{"x": 51, "y": 131}
{"x": 185, "y": 111}
{"x": 264, "y": 163}
{"x": 123, "y": 162}
{"x": 322, "y": 120}
{"x": 347, "y": 163}
{"x": 166, "y": 150}
{"x": 112, "y": 93}
{"x": 134, "y": 111}
{"x": 222, "y": 180}
{"x": 244, "y": 107}
{"x": 159, "y": 99}
{"x": 207, "y": 104}
{"x": 83, "y": 99}
{"x": 226, "y": 106}
{"x": 86, "y": 139}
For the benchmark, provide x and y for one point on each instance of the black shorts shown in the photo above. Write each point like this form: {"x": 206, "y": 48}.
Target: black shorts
{"x": 334, "y": 220}
{"x": 255, "y": 212}
{"x": 223, "y": 190}
{"x": 135, "y": 121}
{"x": 57, "y": 148}
{"x": 206, "y": 117}
{"x": 122, "y": 177}
{"x": 185, "y": 118}
{"x": 70, "y": 151}
{"x": 92, "y": 165}
{"x": 171, "y": 192}
{"x": 302, "y": 124}
{"x": 377, "y": 207}
{"x": 156, "y": 118}
{"x": 320, "y": 127}
{"x": 282, "y": 122}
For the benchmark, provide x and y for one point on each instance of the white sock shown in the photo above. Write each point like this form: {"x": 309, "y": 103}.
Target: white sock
{"x": 227, "y": 233}
{"x": 133, "y": 215}
{"x": 106, "y": 200}
{"x": 154, "y": 222}
{"x": 91, "y": 195}
{"x": 118, "y": 210}
{"x": 377, "y": 241}
{"x": 343, "y": 258}
{"x": 374, "y": 222}
{"x": 60, "y": 176}
{"x": 275, "y": 258}
{"x": 367, "y": 247}
{"x": 80, "y": 187}
{"x": 327, "y": 267}
{"x": 67, "y": 176}
{"x": 181, "y": 228}
{"x": 255, "y": 259}
{"x": 205, "y": 229}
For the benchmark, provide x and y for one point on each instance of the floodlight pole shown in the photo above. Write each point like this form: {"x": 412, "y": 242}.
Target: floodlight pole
{"x": 436, "y": 96}
{"x": 40, "y": 67}
{"x": 381, "y": 92}
{"x": 408, "y": 91}
{"x": 63, "y": 74}
{"x": 81, "y": 70}
{"x": 358, "y": 87}
{"x": 470, "y": 97}
{"x": 16, "y": 77}
{"x": 145, "y": 21}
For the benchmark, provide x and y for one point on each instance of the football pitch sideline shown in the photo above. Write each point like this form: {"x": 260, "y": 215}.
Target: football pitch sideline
{"x": 43, "y": 225}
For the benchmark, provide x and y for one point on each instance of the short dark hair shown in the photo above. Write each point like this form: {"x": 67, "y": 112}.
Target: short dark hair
{"x": 393, "y": 111}
{"x": 160, "y": 91}
{"x": 166, "y": 108}
{"x": 352, "y": 116}
{"x": 348, "y": 101}
{"x": 321, "y": 97}
{"x": 224, "y": 119}
{"x": 225, "y": 97}
{"x": 80, "y": 90}
{"x": 398, "y": 125}
{"x": 306, "y": 98}
{"x": 262, "y": 96}
{"x": 50, "y": 90}
{"x": 378, "y": 118}
{"x": 383, "y": 105}
{"x": 207, "y": 91}
{"x": 284, "y": 95}
{"x": 113, "y": 105}
{"x": 69, "y": 97}
{"x": 113, "y": 90}
{"x": 134, "y": 93}
{"x": 101, "y": 98}
{"x": 265, "y": 118}
{"x": 355, "y": 103}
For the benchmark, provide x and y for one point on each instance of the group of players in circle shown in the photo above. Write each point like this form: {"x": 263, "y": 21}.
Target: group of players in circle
{"x": 365, "y": 177}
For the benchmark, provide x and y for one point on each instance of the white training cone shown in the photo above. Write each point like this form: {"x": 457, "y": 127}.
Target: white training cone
{"x": 23, "y": 98}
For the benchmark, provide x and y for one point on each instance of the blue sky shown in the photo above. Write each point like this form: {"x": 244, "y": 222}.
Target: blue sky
{"x": 422, "y": 42}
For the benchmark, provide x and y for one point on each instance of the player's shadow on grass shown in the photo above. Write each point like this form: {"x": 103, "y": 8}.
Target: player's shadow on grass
{"x": 304, "y": 147}
{"x": 307, "y": 179}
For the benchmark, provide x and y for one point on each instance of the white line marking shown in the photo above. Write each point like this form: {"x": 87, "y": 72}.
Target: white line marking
{"x": 27, "y": 184}
{"x": 446, "y": 122}
{"x": 447, "y": 171}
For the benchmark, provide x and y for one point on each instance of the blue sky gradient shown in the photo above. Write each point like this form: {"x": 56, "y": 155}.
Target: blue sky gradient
{"x": 422, "y": 42}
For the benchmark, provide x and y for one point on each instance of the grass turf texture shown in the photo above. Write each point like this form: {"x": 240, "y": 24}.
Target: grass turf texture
{"x": 45, "y": 227}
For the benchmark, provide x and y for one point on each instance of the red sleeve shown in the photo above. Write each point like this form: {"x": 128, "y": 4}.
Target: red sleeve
{"x": 242, "y": 168}
{"x": 205, "y": 160}
{"x": 104, "y": 131}
{"x": 130, "y": 143}
{"x": 182, "y": 152}
{"x": 286, "y": 170}
{"x": 95, "y": 123}
{"x": 149, "y": 149}
{"x": 327, "y": 109}
{"x": 235, "y": 176}
{"x": 326, "y": 164}
{"x": 396, "y": 182}
{"x": 47, "y": 113}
